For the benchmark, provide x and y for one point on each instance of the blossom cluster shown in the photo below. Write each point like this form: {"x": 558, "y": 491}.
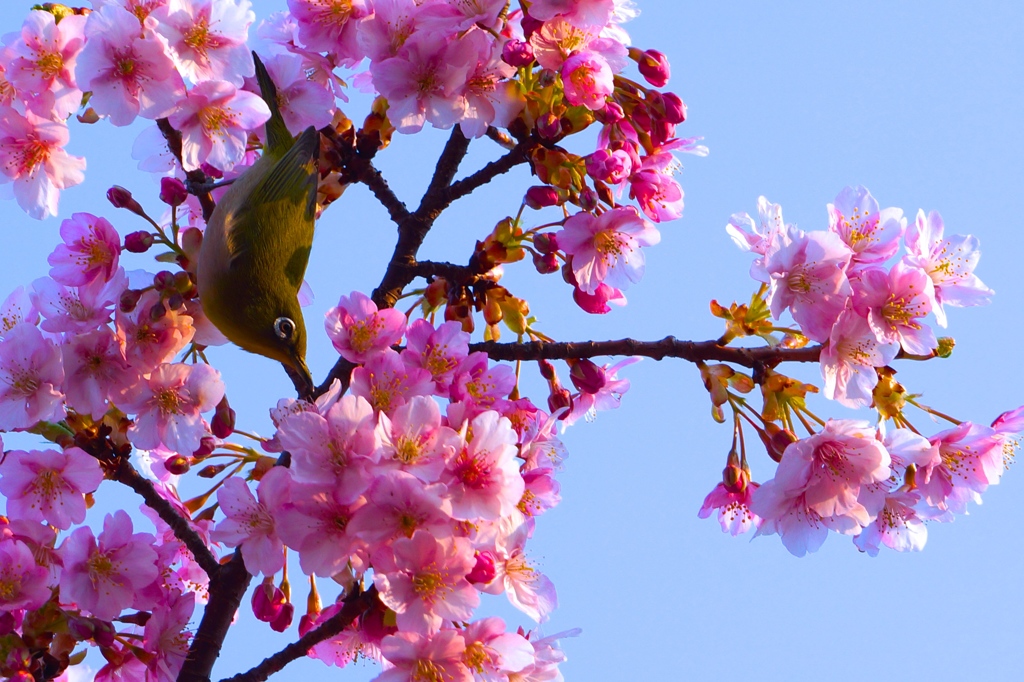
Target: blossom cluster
{"x": 850, "y": 289}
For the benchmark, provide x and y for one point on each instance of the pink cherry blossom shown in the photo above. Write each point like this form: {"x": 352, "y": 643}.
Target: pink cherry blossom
{"x": 95, "y": 369}
{"x": 541, "y": 493}
{"x": 587, "y": 79}
{"x": 556, "y": 40}
{"x": 527, "y": 589}
{"x": 415, "y": 655}
{"x": 490, "y": 98}
{"x": 207, "y": 37}
{"x": 32, "y": 156}
{"x": 758, "y": 237}
{"x": 215, "y": 118}
{"x": 169, "y": 405}
{"x": 23, "y": 583}
{"x": 140, "y": 8}
{"x": 971, "y": 461}
{"x": 90, "y": 250}
{"x": 330, "y": 25}
{"x": 950, "y": 263}
{"x": 398, "y": 505}
{"x": 606, "y": 248}
{"x": 439, "y": 351}
{"x": 423, "y": 579}
{"x": 359, "y": 330}
{"x": 166, "y": 637}
{"x": 582, "y": 13}
{"x": 894, "y": 303}
{"x": 15, "y": 309}
{"x": 873, "y": 235}
{"x": 128, "y": 71}
{"x": 414, "y": 440}
{"x": 423, "y": 81}
{"x": 250, "y": 523}
{"x": 493, "y": 653}
{"x": 303, "y": 102}
{"x": 829, "y": 468}
{"x": 849, "y": 360}
{"x": 387, "y": 383}
{"x": 808, "y": 276}
{"x": 483, "y": 476}
{"x": 334, "y": 448}
{"x": 481, "y": 385}
{"x": 659, "y": 195}
{"x": 80, "y": 309}
{"x": 314, "y": 523}
{"x": 382, "y": 34}
{"x": 30, "y": 378}
{"x": 606, "y": 394}
{"x": 801, "y": 529}
{"x": 50, "y": 486}
{"x": 733, "y": 507}
{"x": 44, "y": 59}
{"x": 597, "y": 303}
{"x": 103, "y": 574}
{"x": 897, "y": 526}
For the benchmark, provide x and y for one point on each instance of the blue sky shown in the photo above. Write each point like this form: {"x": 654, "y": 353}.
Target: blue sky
{"x": 919, "y": 101}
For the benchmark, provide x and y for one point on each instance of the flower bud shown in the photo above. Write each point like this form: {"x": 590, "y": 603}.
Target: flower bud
{"x": 485, "y": 570}
{"x": 157, "y": 312}
{"x": 545, "y": 242}
{"x": 587, "y": 377}
{"x": 549, "y": 126}
{"x": 517, "y": 53}
{"x": 945, "y": 347}
{"x": 609, "y": 166}
{"x": 177, "y": 465}
{"x": 661, "y": 132}
{"x": 654, "y": 67}
{"x": 172, "y": 191}
{"x": 211, "y": 171}
{"x": 611, "y": 113}
{"x": 129, "y": 299}
{"x": 182, "y": 282}
{"x": 560, "y": 399}
{"x": 735, "y": 479}
{"x": 284, "y": 619}
{"x": 122, "y": 198}
{"x": 587, "y": 199}
{"x": 206, "y": 447}
{"x": 163, "y": 280}
{"x": 540, "y": 196}
{"x": 138, "y": 242}
{"x": 530, "y": 25}
{"x": 223, "y": 424}
{"x": 175, "y": 301}
{"x": 547, "y": 370}
{"x": 675, "y": 108}
{"x": 268, "y": 601}
{"x": 545, "y": 263}
{"x": 776, "y": 439}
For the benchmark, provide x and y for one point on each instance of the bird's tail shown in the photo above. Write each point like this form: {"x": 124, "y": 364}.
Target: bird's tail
{"x": 279, "y": 140}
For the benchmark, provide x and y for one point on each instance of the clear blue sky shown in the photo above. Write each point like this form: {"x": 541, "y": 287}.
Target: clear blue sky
{"x": 922, "y": 102}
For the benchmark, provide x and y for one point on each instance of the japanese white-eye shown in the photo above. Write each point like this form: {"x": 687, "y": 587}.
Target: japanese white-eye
{"x": 257, "y": 243}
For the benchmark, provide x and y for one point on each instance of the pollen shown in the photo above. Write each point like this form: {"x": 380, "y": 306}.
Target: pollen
{"x": 198, "y": 36}
{"x": 606, "y": 242}
{"x": 100, "y": 566}
{"x": 428, "y": 671}
{"x": 428, "y": 584}
{"x": 125, "y": 67}
{"x": 33, "y": 154}
{"x": 10, "y": 586}
{"x": 408, "y": 450}
{"x": 168, "y": 401}
{"x": 216, "y": 119}
{"x": 50, "y": 64}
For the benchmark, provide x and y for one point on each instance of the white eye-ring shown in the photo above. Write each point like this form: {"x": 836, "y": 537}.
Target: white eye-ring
{"x": 284, "y": 328}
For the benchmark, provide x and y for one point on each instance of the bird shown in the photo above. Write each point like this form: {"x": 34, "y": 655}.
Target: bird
{"x": 257, "y": 243}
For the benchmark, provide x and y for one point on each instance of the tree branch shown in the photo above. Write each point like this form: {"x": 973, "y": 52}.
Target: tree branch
{"x": 127, "y": 475}
{"x": 372, "y": 178}
{"x": 518, "y": 155}
{"x": 355, "y": 604}
{"x": 226, "y": 591}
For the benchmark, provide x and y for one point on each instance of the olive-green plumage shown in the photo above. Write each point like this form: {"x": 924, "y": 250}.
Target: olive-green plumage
{"x": 257, "y": 244}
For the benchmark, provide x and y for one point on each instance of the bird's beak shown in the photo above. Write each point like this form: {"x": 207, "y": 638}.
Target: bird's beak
{"x": 301, "y": 378}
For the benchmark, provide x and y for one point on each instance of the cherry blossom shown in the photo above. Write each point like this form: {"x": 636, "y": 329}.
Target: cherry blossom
{"x": 482, "y": 476}
{"x": 587, "y": 79}
{"x": 330, "y": 25}
{"x": 214, "y": 119}
{"x": 50, "y": 486}
{"x": 440, "y": 351}
{"x": 606, "y": 248}
{"x": 849, "y": 359}
{"x": 44, "y": 59}
{"x": 733, "y": 507}
{"x": 32, "y": 156}
{"x": 359, "y": 330}
{"x": 206, "y": 37}
{"x": 23, "y": 583}
{"x": 91, "y": 249}
{"x": 250, "y": 523}
{"x": 872, "y": 234}
{"x": 30, "y": 378}
{"x": 415, "y": 655}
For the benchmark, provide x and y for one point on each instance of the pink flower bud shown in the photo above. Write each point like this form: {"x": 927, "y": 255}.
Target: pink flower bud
{"x": 530, "y": 25}
{"x": 517, "y": 53}
{"x": 735, "y": 479}
{"x": 223, "y": 424}
{"x": 172, "y": 191}
{"x": 485, "y": 570}
{"x": 560, "y": 399}
{"x": 609, "y": 166}
{"x": 546, "y": 263}
{"x": 177, "y": 465}
{"x": 654, "y": 67}
{"x": 129, "y": 299}
{"x": 284, "y": 619}
{"x": 675, "y": 108}
{"x": 661, "y": 132}
{"x": 163, "y": 280}
{"x": 587, "y": 199}
{"x": 122, "y": 198}
{"x": 138, "y": 242}
{"x": 268, "y": 601}
{"x": 587, "y": 377}
{"x": 545, "y": 242}
{"x": 539, "y": 196}
{"x": 611, "y": 113}
{"x": 212, "y": 171}
{"x": 206, "y": 447}
{"x": 549, "y": 126}
{"x": 157, "y": 312}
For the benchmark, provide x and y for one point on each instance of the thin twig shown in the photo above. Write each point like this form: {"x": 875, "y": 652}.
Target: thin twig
{"x": 354, "y": 605}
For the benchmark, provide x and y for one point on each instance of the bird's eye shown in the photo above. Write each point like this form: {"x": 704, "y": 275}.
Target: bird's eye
{"x": 284, "y": 328}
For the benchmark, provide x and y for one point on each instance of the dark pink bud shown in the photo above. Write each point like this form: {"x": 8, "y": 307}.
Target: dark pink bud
{"x": 517, "y": 53}
{"x": 611, "y": 166}
{"x": 177, "y": 465}
{"x": 640, "y": 117}
{"x": 675, "y": 108}
{"x": 172, "y": 191}
{"x": 175, "y": 301}
{"x": 163, "y": 280}
{"x": 223, "y": 424}
{"x": 587, "y": 199}
{"x": 560, "y": 399}
{"x": 284, "y": 619}
{"x": 549, "y": 126}
{"x": 8, "y": 623}
{"x": 547, "y": 370}
{"x": 267, "y": 601}
{"x": 138, "y": 242}
{"x": 485, "y": 570}
{"x": 612, "y": 113}
{"x": 103, "y": 633}
{"x": 587, "y": 377}
{"x": 122, "y": 198}
{"x": 546, "y": 263}
{"x": 539, "y": 196}
{"x": 212, "y": 171}
{"x": 735, "y": 479}
{"x": 530, "y": 25}
{"x": 206, "y": 447}
{"x": 545, "y": 242}
{"x": 157, "y": 312}
{"x": 129, "y": 299}
{"x": 654, "y": 67}
{"x": 597, "y": 302}
{"x": 661, "y": 132}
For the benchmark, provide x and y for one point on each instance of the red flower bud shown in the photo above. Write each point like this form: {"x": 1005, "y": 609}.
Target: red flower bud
{"x": 206, "y": 447}
{"x": 177, "y": 465}
{"x": 163, "y": 280}
{"x": 284, "y": 619}
{"x": 545, "y": 242}
{"x": 122, "y": 198}
{"x": 268, "y": 601}
{"x": 560, "y": 399}
{"x": 549, "y": 126}
{"x": 223, "y": 424}
{"x": 654, "y": 67}
{"x": 546, "y": 263}
{"x": 129, "y": 299}
{"x": 485, "y": 570}
{"x": 675, "y": 109}
{"x": 517, "y": 53}
{"x": 587, "y": 377}
{"x": 540, "y": 196}
{"x": 172, "y": 191}
{"x": 138, "y": 242}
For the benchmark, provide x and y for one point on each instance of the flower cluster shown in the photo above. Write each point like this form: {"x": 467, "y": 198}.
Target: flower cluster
{"x": 846, "y": 289}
